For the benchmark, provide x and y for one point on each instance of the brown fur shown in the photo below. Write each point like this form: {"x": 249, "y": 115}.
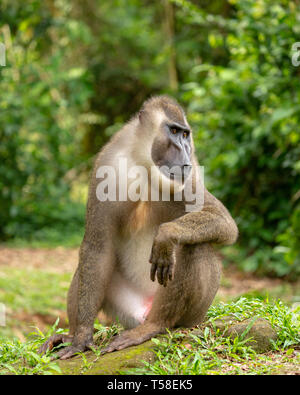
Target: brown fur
{"x": 183, "y": 260}
{"x": 139, "y": 217}
{"x": 170, "y": 107}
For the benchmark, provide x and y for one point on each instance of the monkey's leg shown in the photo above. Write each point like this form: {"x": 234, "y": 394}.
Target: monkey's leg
{"x": 184, "y": 301}
{"x": 72, "y": 306}
{"x": 86, "y": 296}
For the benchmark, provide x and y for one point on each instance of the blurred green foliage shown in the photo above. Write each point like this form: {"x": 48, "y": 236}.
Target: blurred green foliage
{"x": 77, "y": 70}
{"x": 41, "y": 98}
{"x": 247, "y": 113}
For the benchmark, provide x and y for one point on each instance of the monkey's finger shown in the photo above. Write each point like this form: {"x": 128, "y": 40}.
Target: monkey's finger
{"x": 170, "y": 272}
{"x": 159, "y": 275}
{"x": 153, "y": 271}
{"x": 165, "y": 275}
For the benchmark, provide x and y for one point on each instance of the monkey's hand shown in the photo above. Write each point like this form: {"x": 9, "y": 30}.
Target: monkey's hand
{"x": 162, "y": 259}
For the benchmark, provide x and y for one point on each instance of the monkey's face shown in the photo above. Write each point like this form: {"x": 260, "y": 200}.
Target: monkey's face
{"x": 172, "y": 150}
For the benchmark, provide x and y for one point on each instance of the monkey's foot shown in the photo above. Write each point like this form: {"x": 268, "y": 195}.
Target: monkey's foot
{"x": 66, "y": 352}
{"x": 133, "y": 337}
{"x": 70, "y": 351}
{"x": 119, "y": 342}
{"x": 54, "y": 341}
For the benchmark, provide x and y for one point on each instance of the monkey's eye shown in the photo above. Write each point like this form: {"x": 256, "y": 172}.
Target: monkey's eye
{"x": 185, "y": 134}
{"x": 173, "y": 130}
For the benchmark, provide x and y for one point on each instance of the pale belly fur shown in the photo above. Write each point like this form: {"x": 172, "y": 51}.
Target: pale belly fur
{"x": 131, "y": 291}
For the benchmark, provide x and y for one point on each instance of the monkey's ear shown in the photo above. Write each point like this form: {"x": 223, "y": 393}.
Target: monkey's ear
{"x": 144, "y": 116}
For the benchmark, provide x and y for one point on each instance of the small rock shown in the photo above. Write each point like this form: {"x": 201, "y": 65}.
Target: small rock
{"x": 224, "y": 322}
{"x": 261, "y": 333}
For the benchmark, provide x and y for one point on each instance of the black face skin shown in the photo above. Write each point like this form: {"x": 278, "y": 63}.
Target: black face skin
{"x": 173, "y": 150}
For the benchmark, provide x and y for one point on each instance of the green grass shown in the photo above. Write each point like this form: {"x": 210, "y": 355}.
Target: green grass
{"x": 28, "y": 292}
{"x": 33, "y": 290}
{"x": 48, "y": 238}
{"x": 22, "y": 358}
{"x": 210, "y": 352}
{"x": 284, "y": 320}
{"x": 181, "y": 352}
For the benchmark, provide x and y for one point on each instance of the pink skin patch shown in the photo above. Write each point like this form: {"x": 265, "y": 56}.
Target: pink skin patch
{"x": 123, "y": 299}
{"x": 148, "y": 305}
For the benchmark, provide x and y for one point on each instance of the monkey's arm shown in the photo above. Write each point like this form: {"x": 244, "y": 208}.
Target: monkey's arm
{"x": 212, "y": 224}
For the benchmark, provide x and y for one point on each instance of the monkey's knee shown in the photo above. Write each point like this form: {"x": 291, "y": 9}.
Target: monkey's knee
{"x": 186, "y": 299}
{"x": 198, "y": 264}
{"x": 204, "y": 265}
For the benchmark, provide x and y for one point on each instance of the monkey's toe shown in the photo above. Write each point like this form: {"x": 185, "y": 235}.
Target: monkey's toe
{"x": 71, "y": 351}
{"x": 68, "y": 352}
{"x": 120, "y": 342}
{"x": 54, "y": 341}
